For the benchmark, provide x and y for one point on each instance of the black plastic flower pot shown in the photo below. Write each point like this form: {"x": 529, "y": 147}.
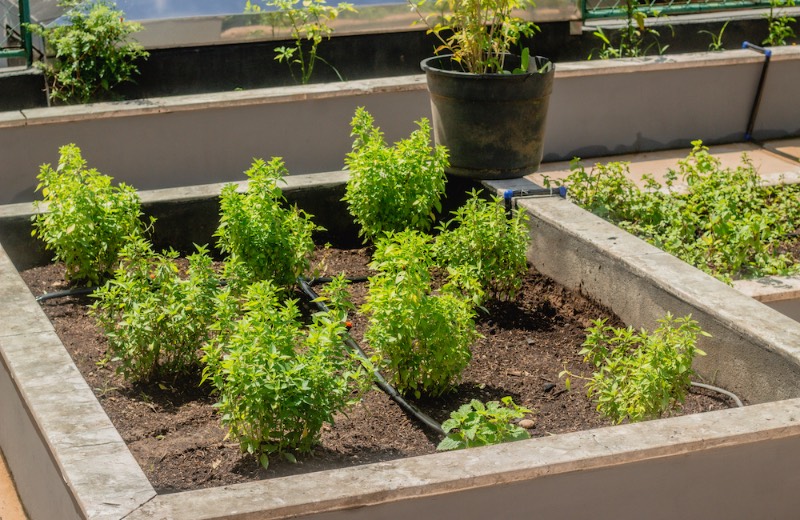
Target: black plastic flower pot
{"x": 492, "y": 124}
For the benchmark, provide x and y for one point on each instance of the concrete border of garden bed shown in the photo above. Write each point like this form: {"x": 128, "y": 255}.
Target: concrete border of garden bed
{"x": 69, "y": 462}
{"x": 187, "y": 140}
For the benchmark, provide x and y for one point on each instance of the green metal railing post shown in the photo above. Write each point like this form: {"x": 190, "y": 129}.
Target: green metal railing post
{"x": 25, "y": 36}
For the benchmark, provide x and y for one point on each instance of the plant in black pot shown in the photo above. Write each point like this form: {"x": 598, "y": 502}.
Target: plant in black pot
{"x": 489, "y": 105}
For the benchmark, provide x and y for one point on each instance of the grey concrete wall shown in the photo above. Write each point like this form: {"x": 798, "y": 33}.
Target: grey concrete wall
{"x": 730, "y": 465}
{"x": 597, "y": 108}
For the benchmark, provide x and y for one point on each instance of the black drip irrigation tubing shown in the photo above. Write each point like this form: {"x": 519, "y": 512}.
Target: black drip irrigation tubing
{"x": 748, "y": 134}
{"x": 380, "y": 381}
{"x": 78, "y": 291}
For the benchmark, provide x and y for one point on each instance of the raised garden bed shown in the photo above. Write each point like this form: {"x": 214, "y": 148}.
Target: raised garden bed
{"x": 751, "y": 352}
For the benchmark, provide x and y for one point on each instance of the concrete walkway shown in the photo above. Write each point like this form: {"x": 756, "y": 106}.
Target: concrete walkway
{"x": 774, "y": 160}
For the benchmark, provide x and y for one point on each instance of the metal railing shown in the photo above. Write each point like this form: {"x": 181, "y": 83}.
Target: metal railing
{"x": 15, "y": 39}
{"x": 617, "y": 8}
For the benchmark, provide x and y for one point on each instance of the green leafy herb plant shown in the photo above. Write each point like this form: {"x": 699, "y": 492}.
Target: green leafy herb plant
{"x": 155, "y": 318}
{"x": 478, "y": 33}
{"x": 272, "y": 242}
{"x": 479, "y": 424}
{"x": 309, "y": 24}
{"x": 779, "y": 23}
{"x": 727, "y": 223}
{"x": 481, "y": 236}
{"x": 83, "y": 218}
{"x": 422, "y": 338}
{"x": 279, "y": 381}
{"x": 640, "y": 375}
{"x": 393, "y": 188}
{"x": 93, "y": 51}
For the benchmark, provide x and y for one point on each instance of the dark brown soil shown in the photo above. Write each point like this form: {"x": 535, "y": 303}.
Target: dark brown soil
{"x": 173, "y": 431}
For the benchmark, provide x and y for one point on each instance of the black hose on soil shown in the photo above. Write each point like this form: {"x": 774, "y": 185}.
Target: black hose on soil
{"x": 379, "y": 379}
{"x": 77, "y": 291}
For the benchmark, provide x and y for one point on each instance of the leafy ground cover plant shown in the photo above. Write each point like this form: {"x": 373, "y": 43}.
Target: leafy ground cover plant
{"x": 422, "y": 339}
{"x": 279, "y": 382}
{"x": 481, "y": 236}
{"x": 479, "y": 424}
{"x": 640, "y": 375}
{"x": 728, "y": 224}
{"x": 155, "y": 319}
{"x": 93, "y": 51}
{"x": 88, "y": 220}
{"x": 309, "y": 23}
{"x": 273, "y": 242}
{"x": 393, "y": 188}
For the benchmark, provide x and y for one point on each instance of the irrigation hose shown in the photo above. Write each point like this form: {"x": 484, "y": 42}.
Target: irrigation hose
{"x": 380, "y": 381}
{"x": 78, "y": 291}
{"x": 721, "y": 391}
{"x": 748, "y": 134}
{"x": 328, "y": 279}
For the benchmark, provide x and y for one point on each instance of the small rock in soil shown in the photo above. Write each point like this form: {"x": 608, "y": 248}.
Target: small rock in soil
{"x": 527, "y": 424}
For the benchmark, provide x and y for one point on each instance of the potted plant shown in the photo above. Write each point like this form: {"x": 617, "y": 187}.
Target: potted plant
{"x": 489, "y": 106}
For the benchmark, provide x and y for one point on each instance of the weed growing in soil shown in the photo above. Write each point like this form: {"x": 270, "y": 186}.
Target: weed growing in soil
{"x": 393, "y": 188}
{"x": 271, "y": 241}
{"x": 278, "y": 381}
{"x": 727, "y": 225}
{"x": 478, "y": 424}
{"x": 422, "y": 339}
{"x": 155, "y": 319}
{"x": 87, "y": 219}
{"x": 640, "y": 375}
{"x": 480, "y": 236}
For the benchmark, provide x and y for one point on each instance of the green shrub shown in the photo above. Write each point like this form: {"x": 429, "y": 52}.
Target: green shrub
{"x": 641, "y": 375}
{"x": 478, "y": 424}
{"x": 93, "y": 51}
{"x": 482, "y": 237}
{"x": 728, "y": 224}
{"x": 155, "y": 319}
{"x": 423, "y": 339}
{"x": 272, "y": 241}
{"x": 279, "y": 383}
{"x": 393, "y": 188}
{"x": 87, "y": 220}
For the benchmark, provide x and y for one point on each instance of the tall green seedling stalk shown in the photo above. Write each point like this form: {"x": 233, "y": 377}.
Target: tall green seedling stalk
{"x": 309, "y": 24}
